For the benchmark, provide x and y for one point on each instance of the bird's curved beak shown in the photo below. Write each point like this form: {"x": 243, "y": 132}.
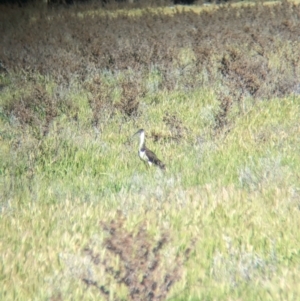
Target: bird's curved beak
{"x": 137, "y": 133}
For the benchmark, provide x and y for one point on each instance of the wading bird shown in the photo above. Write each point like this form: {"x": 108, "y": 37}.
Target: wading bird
{"x": 146, "y": 154}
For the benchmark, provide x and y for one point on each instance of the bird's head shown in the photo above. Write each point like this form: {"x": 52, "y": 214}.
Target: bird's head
{"x": 139, "y": 132}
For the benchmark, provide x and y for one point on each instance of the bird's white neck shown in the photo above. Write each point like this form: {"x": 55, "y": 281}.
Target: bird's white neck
{"x": 142, "y": 140}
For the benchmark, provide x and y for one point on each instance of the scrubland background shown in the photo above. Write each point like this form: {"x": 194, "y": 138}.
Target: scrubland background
{"x": 217, "y": 90}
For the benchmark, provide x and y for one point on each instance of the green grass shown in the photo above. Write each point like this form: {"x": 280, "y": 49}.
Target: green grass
{"x": 230, "y": 193}
{"x": 236, "y": 195}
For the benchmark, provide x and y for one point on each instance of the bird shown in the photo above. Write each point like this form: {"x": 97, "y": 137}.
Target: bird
{"x": 145, "y": 154}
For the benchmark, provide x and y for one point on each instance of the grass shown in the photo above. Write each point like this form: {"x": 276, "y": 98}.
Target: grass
{"x": 235, "y": 195}
{"x": 78, "y": 208}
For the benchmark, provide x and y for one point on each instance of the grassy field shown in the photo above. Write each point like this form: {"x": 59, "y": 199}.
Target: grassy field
{"x": 81, "y": 218}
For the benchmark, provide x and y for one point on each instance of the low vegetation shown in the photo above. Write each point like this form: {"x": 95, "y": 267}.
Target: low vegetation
{"x": 218, "y": 93}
